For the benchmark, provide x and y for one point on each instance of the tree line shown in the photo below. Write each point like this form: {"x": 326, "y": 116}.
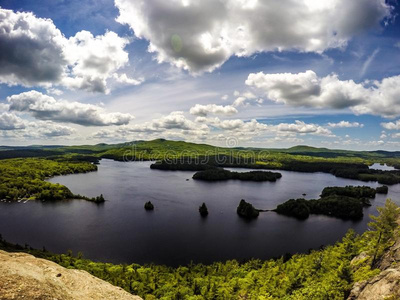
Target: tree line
{"x": 24, "y": 178}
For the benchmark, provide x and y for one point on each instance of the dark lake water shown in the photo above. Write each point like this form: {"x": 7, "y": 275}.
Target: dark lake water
{"x": 121, "y": 230}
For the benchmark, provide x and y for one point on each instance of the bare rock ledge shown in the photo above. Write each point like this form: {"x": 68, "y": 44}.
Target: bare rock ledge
{"x": 23, "y": 276}
{"x": 385, "y": 285}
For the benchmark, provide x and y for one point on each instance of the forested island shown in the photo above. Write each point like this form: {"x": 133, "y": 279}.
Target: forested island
{"x": 349, "y": 191}
{"x": 382, "y": 189}
{"x": 328, "y": 273}
{"x": 247, "y": 210}
{"x": 340, "y": 202}
{"x": 221, "y": 174}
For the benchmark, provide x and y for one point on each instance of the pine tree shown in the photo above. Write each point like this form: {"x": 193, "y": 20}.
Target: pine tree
{"x": 383, "y": 227}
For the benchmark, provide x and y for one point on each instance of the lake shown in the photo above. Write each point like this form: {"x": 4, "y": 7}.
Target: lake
{"x": 120, "y": 230}
{"x": 383, "y": 167}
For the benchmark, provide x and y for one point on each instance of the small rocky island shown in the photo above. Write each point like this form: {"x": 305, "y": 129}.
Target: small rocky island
{"x": 247, "y": 210}
{"x": 203, "y": 210}
{"x": 148, "y": 206}
{"x": 382, "y": 189}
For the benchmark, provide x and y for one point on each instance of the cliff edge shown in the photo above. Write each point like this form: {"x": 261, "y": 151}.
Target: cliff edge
{"x": 23, "y": 276}
{"x": 385, "y": 285}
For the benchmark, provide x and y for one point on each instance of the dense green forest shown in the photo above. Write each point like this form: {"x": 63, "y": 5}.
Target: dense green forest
{"x": 340, "y": 202}
{"x": 328, "y": 273}
{"x": 221, "y": 174}
{"x": 23, "y": 178}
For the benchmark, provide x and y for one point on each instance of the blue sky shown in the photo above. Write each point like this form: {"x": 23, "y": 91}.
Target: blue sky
{"x": 325, "y": 75}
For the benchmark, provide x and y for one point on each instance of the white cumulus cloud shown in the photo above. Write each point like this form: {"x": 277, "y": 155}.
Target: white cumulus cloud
{"x": 12, "y": 126}
{"x": 303, "y": 128}
{"x": 174, "y": 125}
{"x": 47, "y": 129}
{"x": 34, "y": 52}
{"x": 200, "y": 35}
{"x": 204, "y": 110}
{"x": 31, "y": 49}
{"x": 123, "y": 78}
{"x": 9, "y": 121}
{"x": 282, "y": 129}
{"x": 345, "y": 124}
{"x": 94, "y": 60}
{"x": 44, "y": 107}
{"x": 391, "y": 125}
{"x": 308, "y": 90}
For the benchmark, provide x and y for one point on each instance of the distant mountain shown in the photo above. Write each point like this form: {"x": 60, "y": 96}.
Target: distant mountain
{"x": 325, "y": 152}
{"x": 118, "y": 151}
{"x": 305, "y": 148}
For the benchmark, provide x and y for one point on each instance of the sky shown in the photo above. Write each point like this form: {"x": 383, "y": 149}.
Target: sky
{"x": 249, "y": 73}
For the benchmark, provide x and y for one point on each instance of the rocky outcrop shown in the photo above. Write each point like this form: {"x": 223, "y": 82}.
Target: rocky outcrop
{"x": 385, "y": 285}
{"x": 391, "y": 257}
{"x": 23, "y": 276}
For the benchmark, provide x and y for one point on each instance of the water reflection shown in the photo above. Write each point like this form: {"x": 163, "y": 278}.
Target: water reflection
{"x": 383, "y": 167}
